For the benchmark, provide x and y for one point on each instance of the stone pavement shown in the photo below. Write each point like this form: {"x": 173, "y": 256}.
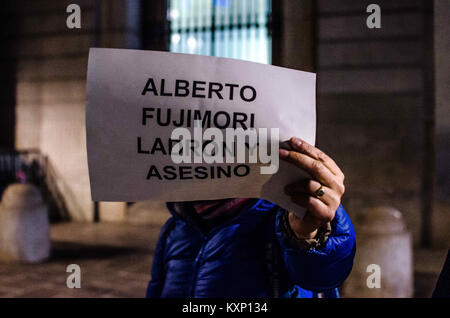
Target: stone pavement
{"x": 115, "y": 261}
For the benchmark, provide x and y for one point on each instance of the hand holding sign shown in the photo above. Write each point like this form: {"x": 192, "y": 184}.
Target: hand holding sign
{"x": 321, "y": 195}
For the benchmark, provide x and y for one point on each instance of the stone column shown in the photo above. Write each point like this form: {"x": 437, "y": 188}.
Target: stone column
{"x": 24, "y": 225}
{"x": 383, "y": 245}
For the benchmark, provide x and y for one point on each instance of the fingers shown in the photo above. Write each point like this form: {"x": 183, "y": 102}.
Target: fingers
{"x": 309, "y": 187}
{"x": 318, "y": 212}
{"x": 315, "y": 153}
{"x": 324, "y": 173}
{"x": 316, "y": 169}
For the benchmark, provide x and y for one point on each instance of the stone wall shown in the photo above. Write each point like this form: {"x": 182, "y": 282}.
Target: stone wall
{"x": 442, "y": 80}
{"x": 371, "y": 101}
{"x": 51, "y": 62}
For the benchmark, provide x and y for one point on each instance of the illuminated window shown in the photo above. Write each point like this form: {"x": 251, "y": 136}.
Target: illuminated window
{"x": 226, "y": 28}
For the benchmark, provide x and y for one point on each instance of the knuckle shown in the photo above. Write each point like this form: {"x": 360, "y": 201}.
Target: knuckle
{"x": 322, "y": 156}
{"x": 294, "y": 156}
{"x": 342, "y": 188}
{"x": 336, "y": 199}
{"x": 305, "y": 146}
{"x": 317, "y": 167}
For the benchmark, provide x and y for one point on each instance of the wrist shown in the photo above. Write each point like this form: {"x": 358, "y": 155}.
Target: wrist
{"x": 304, "y": 240}
{"x": 300, "y": 228}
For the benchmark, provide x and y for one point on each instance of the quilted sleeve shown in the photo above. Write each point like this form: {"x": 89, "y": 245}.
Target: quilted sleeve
{"x": 325, "y": 267}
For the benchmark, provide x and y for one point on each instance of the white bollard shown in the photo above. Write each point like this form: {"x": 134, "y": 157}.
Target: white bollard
{"x": 24, "y": 225}
{"x": 383, "y": 264}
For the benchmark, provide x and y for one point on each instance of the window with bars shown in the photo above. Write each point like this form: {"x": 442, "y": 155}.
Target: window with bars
{"x": 226, "y": 28}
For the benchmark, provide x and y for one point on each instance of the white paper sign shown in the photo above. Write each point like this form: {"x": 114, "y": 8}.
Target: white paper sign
{"x": 135, "y": 100}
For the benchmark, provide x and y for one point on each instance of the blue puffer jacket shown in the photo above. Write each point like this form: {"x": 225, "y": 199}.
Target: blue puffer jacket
{"x": 248, "y": 256}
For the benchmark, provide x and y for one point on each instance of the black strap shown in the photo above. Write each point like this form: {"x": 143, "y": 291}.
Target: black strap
{"x": 272, "y": 256}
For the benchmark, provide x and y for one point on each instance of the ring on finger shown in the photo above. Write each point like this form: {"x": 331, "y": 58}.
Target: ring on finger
{"x": 320, "y": 192}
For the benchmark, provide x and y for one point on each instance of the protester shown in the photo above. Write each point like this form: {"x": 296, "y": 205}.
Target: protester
{"x": 253, "y": 248}
{"x": 442, "y": 289}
